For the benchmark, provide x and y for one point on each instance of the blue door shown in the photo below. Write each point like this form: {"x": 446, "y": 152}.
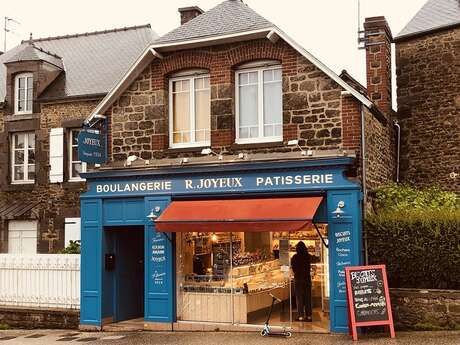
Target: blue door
{"x": 129, "y": 273}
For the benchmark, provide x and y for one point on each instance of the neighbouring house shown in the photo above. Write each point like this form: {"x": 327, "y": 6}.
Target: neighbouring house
{"x": 428, "y": 88}
{"x": 223, "y": 137}
{"x": 48, "y": 86}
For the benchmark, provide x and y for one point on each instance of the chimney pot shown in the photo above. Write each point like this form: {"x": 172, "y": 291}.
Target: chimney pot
{"x": 188, "y": 13}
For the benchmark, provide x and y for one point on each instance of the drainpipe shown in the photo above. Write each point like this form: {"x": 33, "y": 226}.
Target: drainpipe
{"x": 363, "y": 178}
{"x": 398, "y": 149}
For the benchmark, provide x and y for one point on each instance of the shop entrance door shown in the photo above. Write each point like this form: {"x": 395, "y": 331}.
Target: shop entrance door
{"x": 311, "y": 300}
{"x": 129, "y": 273}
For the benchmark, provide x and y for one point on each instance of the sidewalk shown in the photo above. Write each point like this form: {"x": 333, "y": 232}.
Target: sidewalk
{"x": 46, "y": 337}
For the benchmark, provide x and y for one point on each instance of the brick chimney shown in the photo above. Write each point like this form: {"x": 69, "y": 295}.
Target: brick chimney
{"x": 188, "y": 13}
{"x": 378, "y": 40}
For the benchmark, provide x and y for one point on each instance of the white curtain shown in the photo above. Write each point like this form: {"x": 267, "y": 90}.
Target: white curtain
{"x": 248, "y": 105}
{"x": 272, "y": 103}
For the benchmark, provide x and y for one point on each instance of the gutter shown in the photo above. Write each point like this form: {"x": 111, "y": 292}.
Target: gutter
{"x": 417, "y": 34}
{"x": 66, "y": 99}
{"x": 398, "y": 149}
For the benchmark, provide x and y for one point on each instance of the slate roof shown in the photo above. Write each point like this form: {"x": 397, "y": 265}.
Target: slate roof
{"x": 11, "y": 210}
{"x": 29, "y": 52}
{"x": 434, "y": 15}
{"x": 231, "y": 16}
{"x": 93, "y": 62}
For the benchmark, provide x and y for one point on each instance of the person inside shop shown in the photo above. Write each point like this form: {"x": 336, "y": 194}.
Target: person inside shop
{"x": 300, "y": 264}
{"x": 198, "y": 266}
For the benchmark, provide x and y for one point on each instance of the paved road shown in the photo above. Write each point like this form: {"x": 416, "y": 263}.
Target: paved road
{"x": 47, "y": 337}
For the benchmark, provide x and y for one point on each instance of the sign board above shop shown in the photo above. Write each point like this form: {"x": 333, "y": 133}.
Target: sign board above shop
{"x": 92, "y": 146}
{"x": 368, "y": 298}
{"x": 211, "y": 182}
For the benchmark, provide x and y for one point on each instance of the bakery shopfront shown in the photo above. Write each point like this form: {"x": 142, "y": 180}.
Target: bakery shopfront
{"x": 208, "y": 244}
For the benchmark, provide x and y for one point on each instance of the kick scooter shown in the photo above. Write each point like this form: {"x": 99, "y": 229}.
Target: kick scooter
{"x": 267, "y": 331}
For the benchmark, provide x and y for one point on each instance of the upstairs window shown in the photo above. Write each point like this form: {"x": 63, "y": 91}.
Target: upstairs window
{"x": 23, "y": 157}
{"x": 189, "y": 110}
{"x": 75, "y": 165}
{"x": 23, "y": 93}
{"x": 259, "y": 110}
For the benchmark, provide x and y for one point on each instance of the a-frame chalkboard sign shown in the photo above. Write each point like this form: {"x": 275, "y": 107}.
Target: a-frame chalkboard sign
{"x": 368, "y": 298}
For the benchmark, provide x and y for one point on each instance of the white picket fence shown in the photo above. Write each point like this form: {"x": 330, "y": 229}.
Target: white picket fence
{"x": 40, "y": 280}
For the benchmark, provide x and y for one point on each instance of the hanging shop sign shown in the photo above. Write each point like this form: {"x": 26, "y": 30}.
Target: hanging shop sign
{"x": 368, "y": 298}
{"x": 91, "y": 146}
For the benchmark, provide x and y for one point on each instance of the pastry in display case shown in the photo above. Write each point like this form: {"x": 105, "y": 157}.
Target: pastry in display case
{"x": 225, "y": 277}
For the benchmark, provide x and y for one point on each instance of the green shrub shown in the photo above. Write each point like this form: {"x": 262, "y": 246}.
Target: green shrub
{"x": 420, "y": 248}
{"x": 400, "y": 197}
{"x": 72, "y": 248}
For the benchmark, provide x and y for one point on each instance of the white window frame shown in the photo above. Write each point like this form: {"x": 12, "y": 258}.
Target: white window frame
{"x": 260, "y": 106}
{"x": 22, "y": 236}
{"x": 71, "y": 161}
{"x": 72, "y": 230}
{"x": 16, "y": 93}
{"x": 190, "y": 76}
{"x": 26, "y": 158}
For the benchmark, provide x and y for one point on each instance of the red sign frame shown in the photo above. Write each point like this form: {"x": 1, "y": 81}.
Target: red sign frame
{"x": 352, "y": 324}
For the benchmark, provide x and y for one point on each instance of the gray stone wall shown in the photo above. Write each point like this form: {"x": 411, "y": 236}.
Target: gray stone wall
{"x": 425, "y": 309}
{"x": 428, "y": 70}
{"x": 39, "y": 318}
{"x": 380, "y": 151}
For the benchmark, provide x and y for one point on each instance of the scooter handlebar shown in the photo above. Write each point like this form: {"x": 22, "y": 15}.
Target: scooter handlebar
{"x": 276, "y": 298}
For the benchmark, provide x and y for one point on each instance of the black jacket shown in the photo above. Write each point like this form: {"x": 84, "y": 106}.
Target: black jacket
{"x": 301, "y": 267}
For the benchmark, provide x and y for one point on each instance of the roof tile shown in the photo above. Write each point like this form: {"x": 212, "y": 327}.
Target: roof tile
{"x": 435, "y": 14}
{"x": 93, "y": 62}
{"x": 230, "y": 16}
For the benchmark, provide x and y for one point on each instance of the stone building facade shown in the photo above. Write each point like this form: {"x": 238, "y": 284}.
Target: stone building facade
{"x": 60, "y": 100}
{"x": 52, "y": 202}
{"x": 311, "y": 103}
{"x": 317, "y": 111}
{"x": 428, "y": 88}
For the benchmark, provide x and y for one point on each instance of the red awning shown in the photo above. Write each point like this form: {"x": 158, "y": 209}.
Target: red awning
{"x": 244, "y": 215}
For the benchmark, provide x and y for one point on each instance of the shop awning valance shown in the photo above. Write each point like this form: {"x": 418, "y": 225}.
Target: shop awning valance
{"x": 242, "y": 215}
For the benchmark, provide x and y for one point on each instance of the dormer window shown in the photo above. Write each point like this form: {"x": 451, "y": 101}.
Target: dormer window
{"x": 23, "y": 93}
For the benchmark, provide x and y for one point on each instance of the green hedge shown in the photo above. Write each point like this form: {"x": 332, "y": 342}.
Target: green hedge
{"x": 421, "y": 249}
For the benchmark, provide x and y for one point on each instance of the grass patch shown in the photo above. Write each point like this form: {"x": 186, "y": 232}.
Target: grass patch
{"x": 4, "y": 326}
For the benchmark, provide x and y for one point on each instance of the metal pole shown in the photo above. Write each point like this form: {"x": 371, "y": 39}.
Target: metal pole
{"x": 4, "y": 37}
{"x": 231, "y": 279}
{"x": 363, "y": 174}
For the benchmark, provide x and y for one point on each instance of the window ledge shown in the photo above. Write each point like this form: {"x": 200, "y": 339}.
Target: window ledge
{"x": 20, "y": 117}
{"x": 20, "y": 186}
{"x": 186, "y": 149}
{"x": 74, "y": 185}
{"x": 73, "y": 180}
{"x": 260, "y": 145}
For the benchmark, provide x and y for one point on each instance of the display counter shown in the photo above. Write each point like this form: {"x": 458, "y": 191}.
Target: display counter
{"x": 209, "y": 298}
{"x": 249, "y": 287}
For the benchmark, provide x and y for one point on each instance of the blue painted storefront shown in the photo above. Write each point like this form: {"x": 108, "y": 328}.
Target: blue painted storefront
{"x": 126, "y": 197}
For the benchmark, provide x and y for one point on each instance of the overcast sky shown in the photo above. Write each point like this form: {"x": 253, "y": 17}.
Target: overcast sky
{"x": 326, "y": 28}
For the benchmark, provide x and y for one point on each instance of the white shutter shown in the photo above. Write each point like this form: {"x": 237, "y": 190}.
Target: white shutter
{"x": 71, "y": 230}
{"x": 22, "y": 237}
{"x": 57, "y": 155}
